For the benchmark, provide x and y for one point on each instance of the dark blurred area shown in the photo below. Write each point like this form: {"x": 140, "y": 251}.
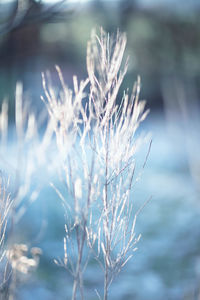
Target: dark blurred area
{"x": 163, "y": 44}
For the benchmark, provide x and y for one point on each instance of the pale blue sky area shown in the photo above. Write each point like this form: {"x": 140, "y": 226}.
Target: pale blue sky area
{"x": 142, "y": 2}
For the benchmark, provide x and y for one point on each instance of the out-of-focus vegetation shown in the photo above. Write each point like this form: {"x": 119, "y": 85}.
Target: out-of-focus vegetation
{"x": 163, "y": 44}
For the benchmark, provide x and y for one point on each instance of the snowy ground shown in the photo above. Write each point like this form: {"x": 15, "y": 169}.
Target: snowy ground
{"x": 167, "y": 263}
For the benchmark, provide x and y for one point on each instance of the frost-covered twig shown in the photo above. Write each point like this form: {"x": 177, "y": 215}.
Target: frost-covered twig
{"x": 97, "y": 144}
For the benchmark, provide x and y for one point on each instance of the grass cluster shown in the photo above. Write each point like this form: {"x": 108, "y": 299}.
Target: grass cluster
{"x": 96, "y": 143}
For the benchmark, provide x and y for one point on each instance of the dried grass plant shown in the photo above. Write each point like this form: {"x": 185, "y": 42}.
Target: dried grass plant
{"x": 21, "y": 168}
{"x": 97, "y": 144}
{"x": 5, "y": 208}
{"x": 22, "y": 164}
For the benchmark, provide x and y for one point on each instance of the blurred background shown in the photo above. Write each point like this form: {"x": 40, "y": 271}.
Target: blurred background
{"x": 164, "y": 49}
